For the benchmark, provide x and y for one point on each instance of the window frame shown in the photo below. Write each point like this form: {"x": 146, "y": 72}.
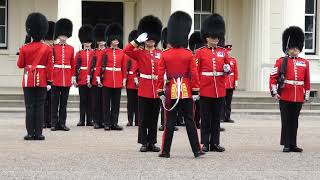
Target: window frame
{"x": 314, "y": 30}
{"x": 5, "y": 44}
{"x": 202, "y": 13}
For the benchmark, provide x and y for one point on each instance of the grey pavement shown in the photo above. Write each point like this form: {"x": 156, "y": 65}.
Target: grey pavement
{"x": 252, "y": 152}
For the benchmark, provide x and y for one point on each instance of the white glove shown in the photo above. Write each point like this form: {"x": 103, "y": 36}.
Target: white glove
{"x": 307, "y": 96}
{"x": 124, "y": 82}
{"x": 163, "y": 98}
{"x": 142, "y": 37}
{"x": 74, "y": 81}
{"x": 235, "y": 84}
{"x": 99, "y": 82}
{"x": 195, "y": 97}
{"x": 226, "y": 68}
{"x": 48, "y": 87}
{"x": 88, "y": 82}
{"x": 136, "y": 81}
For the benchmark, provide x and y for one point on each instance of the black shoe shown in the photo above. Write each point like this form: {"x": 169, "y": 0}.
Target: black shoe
{"x": 129, "y": 124}
{"x": 44, "y": 125}
{"x": 144, "y": 148}
{"x": 80, "y": 123}
{"x": 153, "y": 148}
{"x": 181, "y": 124}
{"x": 176, "y": 128}
{"x": 205, "y": 148}
{"x": 48, "y": 125}
{"x": 198, "y": 154}
{"x": 107, "y": 128}
{"x": 53, "y": 128}
{"x": 136, "y": 123}
{"x": 286, "y": 149}
{"x": 64, "y": 128}
{"x": 217, "y": 148}
{"x": 161, "y": 128}
{"x": 222, "y": 129}
{"x": 164, "y": 155}
{"x": 228, "y": 121}
{"x": 117, "y": 128}
{"x": 296, "y": 149}
{"x": 40, "y": 137}
{"x": 89, "y": 123}
{"x": 28, "y": 137}
{"x": 96, "y": 126}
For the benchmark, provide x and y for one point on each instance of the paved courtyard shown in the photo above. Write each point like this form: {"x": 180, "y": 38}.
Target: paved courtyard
{"x": 252, "y": 152}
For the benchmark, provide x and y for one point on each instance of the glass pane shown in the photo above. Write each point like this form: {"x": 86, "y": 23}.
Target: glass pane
{"x": 308, "y": 40}
{"x": 204, "y": 16}
{"x": 309, "y": 6}
{"x": 2, "y": 34}
{"x": 309, "y": 23}
{"x": 197, "y": 21}
{"x": 2, "y": 2}
{"x": 2, "y": 16}
{"x": 197, "y": 5}
{"x": 206, "y": 6}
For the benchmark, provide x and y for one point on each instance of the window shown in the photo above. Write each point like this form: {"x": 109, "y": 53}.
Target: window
{"x": 310, "y": 26}
{"x": 202, "y": 9}
{"x": 3, "y": 23}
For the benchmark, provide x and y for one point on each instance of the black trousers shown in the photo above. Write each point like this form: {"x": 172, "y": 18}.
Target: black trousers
{"x": 111, "y": 113}
{"x": 197, "y": 113}
{"x": 132, "y": 106}
{"x": 85, "y": 102}
{"x": 180, "y": 117}
{"x": 148, "y": 114}
{"x": 187, "y": 109}
{"x": 290, "y": 112}
{"x": 210, "y": 119}
{"x": 59, "y": 101}
{"x": 47, "y": 108}
{"x": 34, "y": 99}
{"x": 226, "y": 109}
{"x": 96, "y": 104}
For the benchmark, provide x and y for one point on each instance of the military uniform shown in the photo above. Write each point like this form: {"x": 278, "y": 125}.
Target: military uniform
{"x": 36, "y": 60}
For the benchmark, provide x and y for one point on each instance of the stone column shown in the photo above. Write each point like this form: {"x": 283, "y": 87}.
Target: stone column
{"x": 128, "y": 18}
{"x": 184, "y": 5}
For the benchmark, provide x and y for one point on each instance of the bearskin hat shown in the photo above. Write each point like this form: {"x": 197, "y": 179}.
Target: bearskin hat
{"x": 50, "y": 33}
{"x": 164, "y": 36}
{"x": 113, "y": 31}
{"x": 179, "y": 26}
{"x": 213, "y": 26}
{"x": 133, "y": 35}
{"x": 195, "y": 41}
{"x": 98, "y": 32}
{"x": 292, "y": 37}
{"x": 151, "y": 25}
{"x": 63, "y": 28}
{"x": 86, "y": 33}
{"x": 37, "y": 26}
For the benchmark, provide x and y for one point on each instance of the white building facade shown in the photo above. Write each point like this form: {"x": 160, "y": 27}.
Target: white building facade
{"x": 254, "y": 28}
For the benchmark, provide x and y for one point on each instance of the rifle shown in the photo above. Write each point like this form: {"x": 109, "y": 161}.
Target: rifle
{"x": 78, "y": 66}
{"x": 93, "y": 65}
{"x": 103, "y": 67}
{"x": 283, "y": 70}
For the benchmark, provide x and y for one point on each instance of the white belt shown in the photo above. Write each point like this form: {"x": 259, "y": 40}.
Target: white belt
{"x": 145, "y": 76}
{"x": 38, "y": 66}
{"x": 84, "y": 68}
{"x": 113, "y": 69}
{"x": 62, "y": 66}
{"x": 130, "y": 72}
{"x": 292, "y": 82}
{"x": 212, "y": 73}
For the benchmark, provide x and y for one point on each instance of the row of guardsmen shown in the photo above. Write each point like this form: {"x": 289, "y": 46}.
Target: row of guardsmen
{"x": 171, "y": 78}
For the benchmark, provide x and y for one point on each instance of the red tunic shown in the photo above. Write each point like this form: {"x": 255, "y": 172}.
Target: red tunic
{"x": 148, "y": 68}
{"x": 132, "y": 74}
{"x": 297, "y": 79}
{"x": 86, "y": 57}
{"x": 36, "y": 74}
{"x": 232, "y": 77}
{"x": 63, "y": 66}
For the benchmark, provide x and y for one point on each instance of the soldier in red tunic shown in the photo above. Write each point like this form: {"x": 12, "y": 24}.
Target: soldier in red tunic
{"x": 132, "y": 86}
{"x": 63, "y": 75}
{"x": 49, "y": 40}
{"x": 93, "y": 76}
{"x": 231, "y": 84}
{"x": 213, "y": 63}
{"x": 112, "y": 70}
{"x": 82, "y": 59}
{"x": 148, "y": 58}
{"x": 183, "y": 87}
{"x": 36, "y": 60}
{"x": 290, "y": 84}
